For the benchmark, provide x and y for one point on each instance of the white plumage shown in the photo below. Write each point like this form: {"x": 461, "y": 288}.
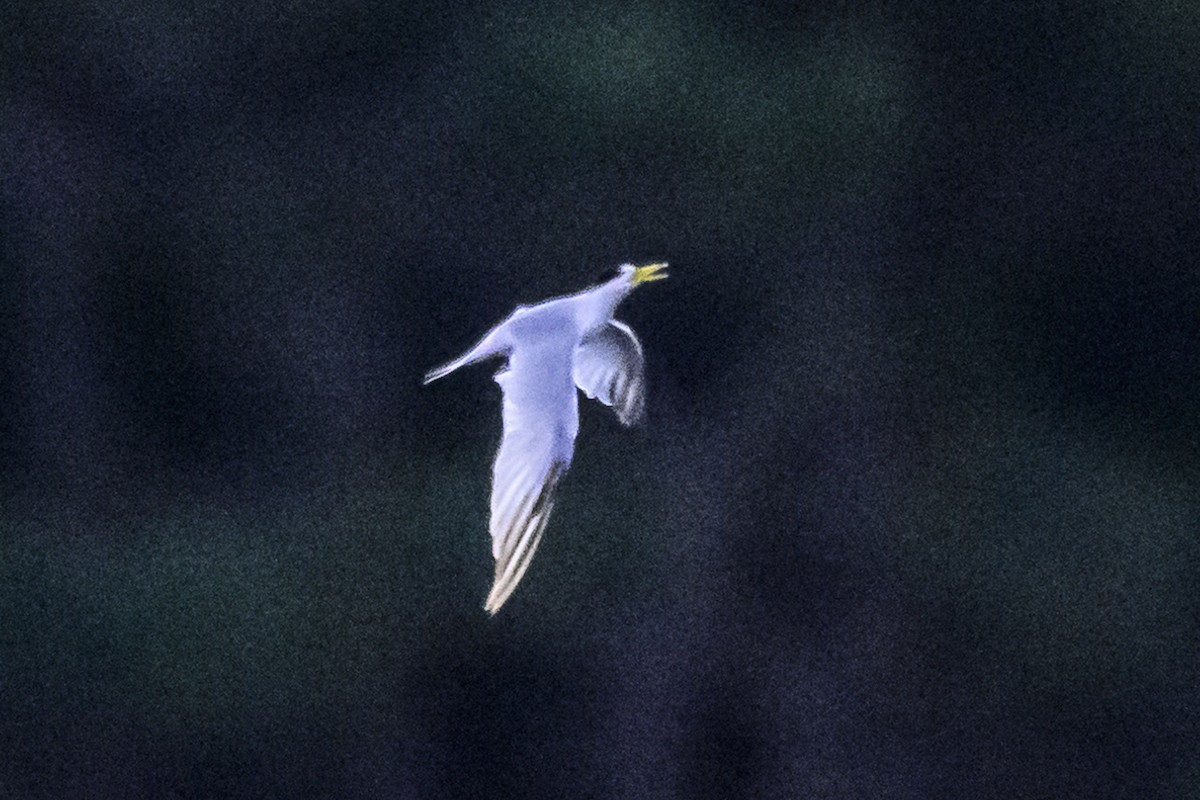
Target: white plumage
{"x": 552, "y": 348}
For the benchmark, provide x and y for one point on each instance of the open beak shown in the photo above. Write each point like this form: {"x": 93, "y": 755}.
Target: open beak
{"x": 650, "y": 272}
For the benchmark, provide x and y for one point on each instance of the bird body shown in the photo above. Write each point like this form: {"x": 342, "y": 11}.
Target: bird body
{"x": 553, "y": 349}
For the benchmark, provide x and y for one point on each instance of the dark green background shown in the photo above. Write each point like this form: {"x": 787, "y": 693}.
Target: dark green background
{"x": 916, "y": 512}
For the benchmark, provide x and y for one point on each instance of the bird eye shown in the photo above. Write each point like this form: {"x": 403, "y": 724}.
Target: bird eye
{"x": 608, "y": 275}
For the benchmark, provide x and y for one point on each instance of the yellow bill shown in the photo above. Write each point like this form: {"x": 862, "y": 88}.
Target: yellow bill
{"x": 650, "y": 272}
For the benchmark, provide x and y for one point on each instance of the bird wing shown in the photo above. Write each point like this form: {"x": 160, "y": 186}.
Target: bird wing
{"x": 609, "y": 366}
{"x": 541, "y": 417}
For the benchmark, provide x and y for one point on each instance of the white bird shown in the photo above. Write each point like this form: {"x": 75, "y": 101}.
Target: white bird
{"x": 552, "y": 348}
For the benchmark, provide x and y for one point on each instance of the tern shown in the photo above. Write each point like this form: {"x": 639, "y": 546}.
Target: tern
{"x": 551, "y": 349}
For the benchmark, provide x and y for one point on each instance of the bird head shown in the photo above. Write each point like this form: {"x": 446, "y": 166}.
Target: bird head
{"x": 627, "y": 276}
{"x": 615, "y": 285}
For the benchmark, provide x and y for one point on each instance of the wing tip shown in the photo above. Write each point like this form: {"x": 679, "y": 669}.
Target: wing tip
{"x": 498, "y": 596}
{"x": 512, "y": 565}
{"x": 632, "y": 417}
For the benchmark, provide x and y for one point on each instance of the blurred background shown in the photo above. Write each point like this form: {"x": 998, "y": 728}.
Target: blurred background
{"x": 916, "y": 512}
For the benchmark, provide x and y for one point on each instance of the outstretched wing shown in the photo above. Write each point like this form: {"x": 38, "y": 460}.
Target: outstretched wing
{"x": 609, "y": 366}
{"x": 541, "y": 417}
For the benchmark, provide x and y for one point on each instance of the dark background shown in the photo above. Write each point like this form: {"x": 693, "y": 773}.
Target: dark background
{"x": 915, "y": 515}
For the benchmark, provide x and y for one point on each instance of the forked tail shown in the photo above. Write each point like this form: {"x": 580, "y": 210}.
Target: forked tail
{"x": 490, "y": 345}
{"x": 442, "y": 371}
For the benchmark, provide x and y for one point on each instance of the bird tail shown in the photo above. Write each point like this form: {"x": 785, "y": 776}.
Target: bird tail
{"x": 489, "y": 346}
{"x": 442, "y": 371}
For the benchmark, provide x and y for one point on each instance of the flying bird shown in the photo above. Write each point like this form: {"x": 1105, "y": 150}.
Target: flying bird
{"x": 550, "y": 349}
